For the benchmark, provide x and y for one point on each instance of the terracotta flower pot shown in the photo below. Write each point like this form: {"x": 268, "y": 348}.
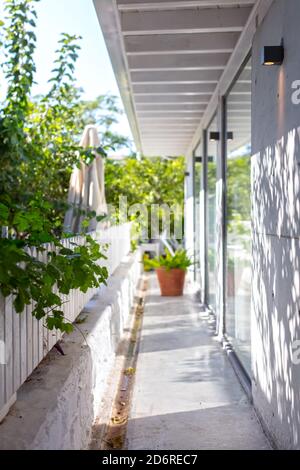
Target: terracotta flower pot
{"x": 171, "y": 282}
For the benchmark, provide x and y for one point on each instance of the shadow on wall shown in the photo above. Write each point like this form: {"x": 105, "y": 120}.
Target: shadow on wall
{"x": 276, "y": 287}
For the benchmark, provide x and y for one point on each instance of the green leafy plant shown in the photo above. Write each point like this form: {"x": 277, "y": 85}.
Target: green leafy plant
{"x": 178, "y": 260}
{"x": 38, "y": 152}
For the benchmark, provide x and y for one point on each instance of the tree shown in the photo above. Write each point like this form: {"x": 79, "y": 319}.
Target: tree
{"x": 147, "y": 181}
{"x": 103, "y": 112}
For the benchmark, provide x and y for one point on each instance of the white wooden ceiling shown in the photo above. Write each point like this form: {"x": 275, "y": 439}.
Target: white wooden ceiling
{"x": 168, "y": 57}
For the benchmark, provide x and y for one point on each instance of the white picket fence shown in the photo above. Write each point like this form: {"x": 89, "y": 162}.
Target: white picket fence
{"x": 24, "y": 341}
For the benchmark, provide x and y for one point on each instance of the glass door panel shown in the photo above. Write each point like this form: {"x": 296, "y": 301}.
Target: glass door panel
{"x": 212, "y": 136}
{"x": 238, "y": 309}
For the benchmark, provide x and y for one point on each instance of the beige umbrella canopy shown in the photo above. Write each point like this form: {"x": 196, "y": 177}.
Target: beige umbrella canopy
{"x": 86, "y": 191}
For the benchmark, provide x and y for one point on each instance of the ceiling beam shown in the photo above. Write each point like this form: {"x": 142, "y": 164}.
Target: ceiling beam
{"x": 175, "y": 62}
{"x": 167, "y": 139}
{"x": 170, "y": 114}
{"x": 164, "y": 119}
{"x": 153, "y": 100}
{"x": 154, "y": 135}
{"x": 188, "y": 89}
{"x": 157, "y": 5}
{"x": 170, "y": 137}
{"x": 167, "y": 126}
{"x": 208, "y": 20}
{"x": 235, "y": 63}
{"x": 170, "y": 108}
{"x": 180, "y": 44}
{"x": 170, "y": 104}
{"x": 179, "y": 76}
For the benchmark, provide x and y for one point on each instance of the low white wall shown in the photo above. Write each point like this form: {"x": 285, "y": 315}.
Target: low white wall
{"x": 58, "y": 404}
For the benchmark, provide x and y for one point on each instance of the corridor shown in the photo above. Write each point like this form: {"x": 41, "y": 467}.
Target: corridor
{"x": 186, "y": 394}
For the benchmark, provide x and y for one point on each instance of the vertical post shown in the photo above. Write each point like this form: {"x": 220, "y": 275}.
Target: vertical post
{"x": 204, "y": 221}
{"x": 221, "y": 221}
{"x": 194, "y": 214}
{"x": 189, "y": 207}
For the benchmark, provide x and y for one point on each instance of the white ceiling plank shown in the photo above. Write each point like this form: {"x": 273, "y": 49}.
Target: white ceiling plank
{"x": 186, "y": 21}
{"x": 168, "y": 141}
{"x": 171, "y": 108}
{"x": 237, "y": 58}
{"x": 159, "y": 89}
{"x": 153, "y": 136}
{"x": 171, "y": 105}
{"x": 180, "y": 43}
{"x": 170, "y": 114}
{"x": 157, "y": 5}
{"x": 166, "y": 127}
{"x": 166, "y": 80}
{"x": 163, "y": 119}
{"x": 153, "y": 100}
{"x": 174, "y": 62}
{"x": 180, "y": 76}
{"x": 178, "y": 67}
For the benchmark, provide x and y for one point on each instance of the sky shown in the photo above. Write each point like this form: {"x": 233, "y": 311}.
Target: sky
{"x": 93, "y": 69}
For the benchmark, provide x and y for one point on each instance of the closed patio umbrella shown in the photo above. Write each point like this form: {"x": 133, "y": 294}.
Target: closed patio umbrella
{"x": 86, "y": 191}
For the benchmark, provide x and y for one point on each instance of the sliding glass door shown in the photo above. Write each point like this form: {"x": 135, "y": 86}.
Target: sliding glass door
{"x": 198, "y": 181}
{"x": 238, "y": 307}
{"x": 212, "y": 148}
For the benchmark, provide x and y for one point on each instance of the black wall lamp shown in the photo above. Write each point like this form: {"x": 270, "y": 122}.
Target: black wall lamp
{"x": 273, "y": 55}
{"x": 215, "y": 136}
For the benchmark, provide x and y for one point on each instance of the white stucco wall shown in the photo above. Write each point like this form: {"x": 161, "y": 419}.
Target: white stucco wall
{"x": 276, "y": 227}
{"x": 58, "y": 404}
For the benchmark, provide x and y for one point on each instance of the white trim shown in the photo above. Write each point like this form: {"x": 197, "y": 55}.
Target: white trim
{"x": 173, "y": 5}
{"x": 146, "y": 32}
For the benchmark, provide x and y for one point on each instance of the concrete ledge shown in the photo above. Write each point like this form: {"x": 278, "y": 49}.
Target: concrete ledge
{"x": 60, "y": 401}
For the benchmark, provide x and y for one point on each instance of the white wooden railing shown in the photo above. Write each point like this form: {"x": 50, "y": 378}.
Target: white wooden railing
{"x": 24, "y": 341}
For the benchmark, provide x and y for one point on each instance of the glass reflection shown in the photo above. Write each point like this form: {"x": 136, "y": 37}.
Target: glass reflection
{"x": 197, "y": 213}
{"x": 238, "y": 309}
{"x": 211, "y": 211}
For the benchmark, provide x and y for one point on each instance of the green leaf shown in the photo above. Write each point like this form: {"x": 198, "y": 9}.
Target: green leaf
{"x": 19, "y": 303}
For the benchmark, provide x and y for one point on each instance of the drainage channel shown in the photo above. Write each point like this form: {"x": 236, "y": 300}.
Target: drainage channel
{"x": 114, "y": 435}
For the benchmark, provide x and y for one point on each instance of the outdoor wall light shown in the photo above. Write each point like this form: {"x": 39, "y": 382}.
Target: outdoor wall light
{"x": 214, "y": 136}
{"x": 272, "y": 55}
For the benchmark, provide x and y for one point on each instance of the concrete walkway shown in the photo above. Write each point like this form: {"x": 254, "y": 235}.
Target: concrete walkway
{"x": 186, "y": 393}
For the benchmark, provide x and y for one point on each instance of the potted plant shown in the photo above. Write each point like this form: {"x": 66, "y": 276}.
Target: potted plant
{"x": 170, "y": 269}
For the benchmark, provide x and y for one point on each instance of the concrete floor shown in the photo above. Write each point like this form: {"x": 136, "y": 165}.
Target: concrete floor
{"x": 186, "y": 393}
